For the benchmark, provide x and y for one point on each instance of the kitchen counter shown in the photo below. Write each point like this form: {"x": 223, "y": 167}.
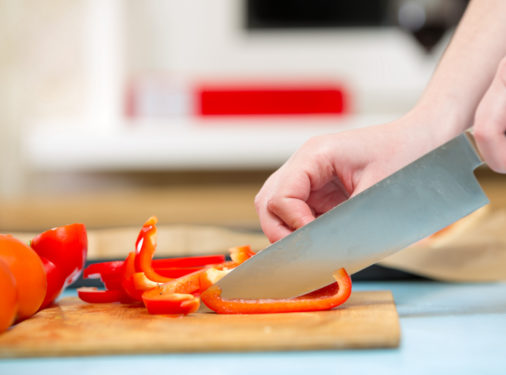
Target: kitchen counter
{"x": 446, "y": 328}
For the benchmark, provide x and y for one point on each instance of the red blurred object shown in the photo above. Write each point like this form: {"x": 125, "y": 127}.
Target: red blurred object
{"x": 216, "y": 100}
{"x": 55, "y": 282}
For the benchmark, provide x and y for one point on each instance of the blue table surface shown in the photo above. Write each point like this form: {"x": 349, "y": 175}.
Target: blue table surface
{"x": 445, "y": 328}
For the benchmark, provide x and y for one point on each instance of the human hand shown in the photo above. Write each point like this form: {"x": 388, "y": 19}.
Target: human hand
{"x": 490, "y": 122}
{"x": 329, "y": 169}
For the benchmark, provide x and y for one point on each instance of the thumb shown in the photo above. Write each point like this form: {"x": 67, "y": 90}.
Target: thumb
{"x": 490, "y": 122}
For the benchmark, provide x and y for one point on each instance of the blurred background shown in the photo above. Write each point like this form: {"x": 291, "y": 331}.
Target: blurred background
{"x": 112, "y": 111}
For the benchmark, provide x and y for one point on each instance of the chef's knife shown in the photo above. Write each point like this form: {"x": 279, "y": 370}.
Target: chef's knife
{"x": 415, "y": 202}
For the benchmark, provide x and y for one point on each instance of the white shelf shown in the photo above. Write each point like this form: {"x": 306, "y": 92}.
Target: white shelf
{"x": 178, "y": 144}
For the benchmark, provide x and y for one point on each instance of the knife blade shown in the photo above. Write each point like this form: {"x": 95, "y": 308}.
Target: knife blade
{"x": 425, "y": 196}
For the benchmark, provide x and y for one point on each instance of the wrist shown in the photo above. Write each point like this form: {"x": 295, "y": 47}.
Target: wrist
{"x": 439, "y": 119}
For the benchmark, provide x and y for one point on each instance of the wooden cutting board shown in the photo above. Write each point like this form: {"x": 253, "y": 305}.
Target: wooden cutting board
{"x": 366, "y": 320}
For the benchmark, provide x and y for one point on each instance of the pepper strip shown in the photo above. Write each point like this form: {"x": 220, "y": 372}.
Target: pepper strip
{"x": 323, "y": 299}
{"x": 192, "y": 261}
{"x": 240, "y": 254}
{"x": 94, "y": 295}
{"x": 127, "y": 278}
{"x": 174, "y": 297}
{"x": 145, "y": 248}
{"x": 173, "y": 303}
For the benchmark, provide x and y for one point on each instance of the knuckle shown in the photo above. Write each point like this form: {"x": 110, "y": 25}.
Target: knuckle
{"x": 317, "y": 147}
{"x": 314, "y": 143}
{"x": 273, "y": 204}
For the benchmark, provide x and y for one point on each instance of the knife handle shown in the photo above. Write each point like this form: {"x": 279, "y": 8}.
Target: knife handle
{"x": 473, "y": 143}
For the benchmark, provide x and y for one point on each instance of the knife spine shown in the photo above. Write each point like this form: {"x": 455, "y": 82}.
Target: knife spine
{"x": 474, "y": 145}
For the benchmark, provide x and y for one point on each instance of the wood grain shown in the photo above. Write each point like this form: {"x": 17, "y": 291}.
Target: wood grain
{"x": 73, "y": 328}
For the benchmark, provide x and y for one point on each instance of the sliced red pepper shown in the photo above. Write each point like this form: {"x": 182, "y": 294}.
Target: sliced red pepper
{"x": 94, "y": 295}
{"x": 323, "y": 299}
{"x": 127, "y": 281}
{"x": 145, "y": 248}
{"x": 66, "y": 247}
{"x": 111, "y": 273}
{"x": 112, "y": 282}
{"x": 241, "y": 254}
{"x": 188, "y": 284}
{"x": 169, "y": 267}
{"x": 175, "y": 272}
{"x": 96, "y": 270}
{"x": 179, "y": 296}
{"x": 193, "y": 261}
{"x": 141, "y": 282}
{"x": 211, "y": 276}
{"x": 55, "y": 282}
{"x": 158, "y": 302}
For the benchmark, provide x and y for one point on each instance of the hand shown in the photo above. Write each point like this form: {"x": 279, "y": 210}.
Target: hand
{"x": 490, "y": 122}
{"x": 328, "y": 169}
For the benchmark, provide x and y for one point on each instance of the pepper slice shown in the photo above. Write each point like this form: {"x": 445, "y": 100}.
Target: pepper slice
{"x": 141, "y": 282}
{"x": 110, "y": 272}
{"x": 165, "y": 298}
{"x": 240, "y": 254}
{"x": 94, "y": 295}
{"x": 173, "y": 303}
{"x": 55, "y": 282}
{"x": 127, "y": 280}
{"x": 211, "y": 276}
{"x": 174, "y": 297}
{"x": 96, "y": 270}
{"x": 322, "y": 299}
{"x": 66, "y": 247}
{"x": 145, "y": 248}
{"x": 193, "y": 261}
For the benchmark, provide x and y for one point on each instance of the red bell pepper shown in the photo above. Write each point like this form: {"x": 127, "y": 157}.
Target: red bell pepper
{"x": 141, "y": 282}
{"x": 66, "y": 247}
{"x": 178, "y": 296}
{"x": 127, "y": 279}
{"x": 193, "y": 261}
{"x": 169, "y": 267}
{"x": 211, "y": 276}
{"x": 172, "y": 286}
{"x": 97, "y": 270}
{"x": 175, "y": 272}
{"x": 323, "y": 299}
{"x": 188, "y": 284}
{"x": 174, "y": 303}
{"x": 111, "y": 273}
{"x": 55, "y": 282}
{"x": 174, "y": 297}
{"x": 158, "y": 270}
{"x": 145, "y": 248}
{"x": 240, "y": 254}
{"x": 62, "y": 251}
{"x": 94, "y": 295}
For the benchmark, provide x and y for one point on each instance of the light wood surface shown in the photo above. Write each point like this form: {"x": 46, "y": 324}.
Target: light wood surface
{"x": 366, "y": 320}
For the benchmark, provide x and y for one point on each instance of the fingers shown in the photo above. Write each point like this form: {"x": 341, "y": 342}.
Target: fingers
{"x": 271, "y": 225}
{"x": 281, "y": 206}
{"x": 294, "y": 212}
{"x": 326, "y": 198}
{"x": 490, "y": 122}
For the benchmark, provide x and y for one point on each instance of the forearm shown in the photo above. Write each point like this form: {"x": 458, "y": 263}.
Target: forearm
{"x": 466, "y": 69}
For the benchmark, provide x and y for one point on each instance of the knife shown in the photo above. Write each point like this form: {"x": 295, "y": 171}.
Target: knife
{"x": 425, "y": 196}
